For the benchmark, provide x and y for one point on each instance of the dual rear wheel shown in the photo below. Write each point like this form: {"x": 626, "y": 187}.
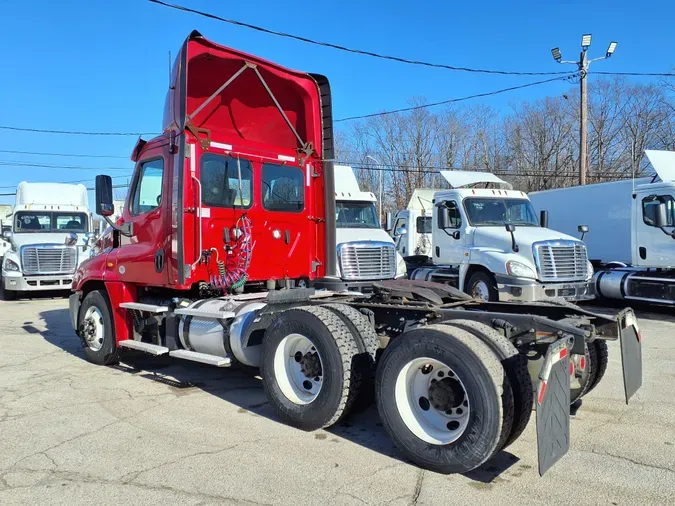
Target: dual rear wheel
{"x": 446, "y": 393}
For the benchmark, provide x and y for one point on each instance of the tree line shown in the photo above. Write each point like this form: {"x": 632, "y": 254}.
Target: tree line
{"x": 534, "y": 146}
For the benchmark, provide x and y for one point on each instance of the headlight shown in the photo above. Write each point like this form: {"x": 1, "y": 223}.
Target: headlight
{"x": 590, "y": 270}
{"x": 519, "y": 270}
{"x": 10, "y": 265}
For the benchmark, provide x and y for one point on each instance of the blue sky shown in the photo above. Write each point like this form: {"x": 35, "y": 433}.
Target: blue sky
{"x": 103, "y": 66}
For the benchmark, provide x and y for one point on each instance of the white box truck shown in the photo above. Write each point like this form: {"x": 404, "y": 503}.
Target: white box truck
{"x": 50, "y": 236}
{"x": 630, "y": 237}
{"x": 487, "y": 241}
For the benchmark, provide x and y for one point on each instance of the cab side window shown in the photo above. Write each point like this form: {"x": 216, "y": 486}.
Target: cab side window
{"x": 147, "y": 193}
{"x": 282, "y": 188}
{"x": 649, "y": 205}
{"x": 455, "y": 220}
{"x": 399, "y": 226}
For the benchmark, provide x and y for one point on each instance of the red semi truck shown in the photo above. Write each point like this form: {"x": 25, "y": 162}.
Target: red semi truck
{"x": 225, "y": 254}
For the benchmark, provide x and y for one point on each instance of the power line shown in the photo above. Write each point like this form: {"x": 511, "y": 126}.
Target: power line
{"x": 347, "y": 49}
{"x": 461, "y": 99}
{"x": 11, "y": 163}
{"x": 77, "y": 155}
{"x": 73, "y": 132}
{"x": 640, "y": 74}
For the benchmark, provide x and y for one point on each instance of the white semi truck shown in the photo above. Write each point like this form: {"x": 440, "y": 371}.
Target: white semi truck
{"x": 51, "y": 231}
{"x": 365, "y": 251}
{"x": 489, "y": 243}
{"x": 630, "y": 236}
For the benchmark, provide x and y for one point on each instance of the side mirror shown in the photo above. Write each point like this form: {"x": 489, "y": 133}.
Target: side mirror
{"x": 443, "y": 217}
{"x": 389, "y": 222}
{"x": 402, "y": 231}
{"x": 104, "y": 196}
{"x": 583, "y": 229}
{"x": 543, "y": 218}
{"x": 71, "y": 239}
{"x": 511, "y": 228}
{"x": 7, "y": 234}
{"x": 660, "y": 216}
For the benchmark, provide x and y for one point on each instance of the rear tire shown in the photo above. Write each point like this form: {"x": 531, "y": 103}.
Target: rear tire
{"x": 482, "y": 285}
{"x": 367, "y": 343}
{"x": 599, "y": 358}
{"x": 323, "y": 397}
{"x": 463, "y": 379}
{"x": 96, "y": 330}
{"x": 519, "y": 380}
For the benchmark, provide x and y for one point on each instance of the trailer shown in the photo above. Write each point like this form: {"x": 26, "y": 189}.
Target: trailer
{"x": 234, "y": 262}
{"x": 628, "y": 230}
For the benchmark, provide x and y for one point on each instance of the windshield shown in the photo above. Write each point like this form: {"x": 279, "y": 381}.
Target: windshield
{"x": 356, "y": 215}
{"x": 45, "y": 221}
{"x": 499, "y": 211}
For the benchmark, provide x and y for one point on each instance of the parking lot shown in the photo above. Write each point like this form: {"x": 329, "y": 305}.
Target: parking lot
{"x": 160, "y": 431}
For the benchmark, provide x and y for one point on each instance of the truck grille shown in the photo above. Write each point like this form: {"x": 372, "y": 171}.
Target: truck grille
{"x": 561, "y": 260}
{"x": 48, "y": 259}
{"x": 367, "y": 260}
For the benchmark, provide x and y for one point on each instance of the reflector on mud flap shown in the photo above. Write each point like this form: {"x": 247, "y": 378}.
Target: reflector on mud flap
{"x": 631, "y": 352}
{"x": 553, "y": 406}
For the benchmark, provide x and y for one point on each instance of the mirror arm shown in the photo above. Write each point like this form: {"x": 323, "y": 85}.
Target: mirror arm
{"x": 126, "y": 229}
{"x": 671, "y": 234}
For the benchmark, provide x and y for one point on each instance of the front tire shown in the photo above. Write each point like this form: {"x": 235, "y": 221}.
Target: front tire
{"x": 307, "y": 367}
{"x": 438, "y": 392}
{"x": 482, "y": 286}
{"x": 96, "y": 329}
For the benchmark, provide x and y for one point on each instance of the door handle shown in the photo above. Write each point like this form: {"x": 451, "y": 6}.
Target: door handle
{"x": 159, "y": 260}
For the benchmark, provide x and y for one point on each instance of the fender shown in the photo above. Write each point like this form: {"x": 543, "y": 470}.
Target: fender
{"x": 494, "y": 260}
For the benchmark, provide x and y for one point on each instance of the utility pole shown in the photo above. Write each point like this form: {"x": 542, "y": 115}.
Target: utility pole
{"x": 583, "y": 118}
{"x": 583, "y": 64}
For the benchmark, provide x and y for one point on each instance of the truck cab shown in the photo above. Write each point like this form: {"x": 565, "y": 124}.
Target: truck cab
{"x": 488, "y": 242}
{"x": 51, "y": 231}
{"x": 365, "y": 252}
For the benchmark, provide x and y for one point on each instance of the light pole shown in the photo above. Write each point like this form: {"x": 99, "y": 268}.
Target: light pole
{"x": 379, "y": 200}
{"x": 583, "y": 65}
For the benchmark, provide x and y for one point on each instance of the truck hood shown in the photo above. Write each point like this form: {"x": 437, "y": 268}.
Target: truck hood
{"x": 361, "y": 234}
{"x": 497, "y": 238}
{"x": 39, "y": 238}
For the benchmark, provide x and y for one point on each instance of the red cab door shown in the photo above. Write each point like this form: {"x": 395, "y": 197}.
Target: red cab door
{"x": 142, "y": 258}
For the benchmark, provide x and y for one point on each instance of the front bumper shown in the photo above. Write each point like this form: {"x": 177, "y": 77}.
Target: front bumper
{"x": 16, "y": 281}
{"x": 520, "y": 289}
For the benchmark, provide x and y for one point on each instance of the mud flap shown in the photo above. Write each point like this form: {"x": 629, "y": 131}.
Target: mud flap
{"x": 631, "y": 352}
{"x": 553, "y": 406}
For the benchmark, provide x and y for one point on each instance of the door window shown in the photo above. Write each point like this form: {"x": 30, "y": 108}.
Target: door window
{"x": 400, "y": 226}
{"x": 650, "y": 204}
{"x": 219, "y": 176}
{"x": 455, "y": 220}
{"x": 148, "y": 188}
{"x": 283, "y": 188}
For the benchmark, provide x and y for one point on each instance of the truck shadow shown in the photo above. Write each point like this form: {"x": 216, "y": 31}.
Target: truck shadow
{"x": 243, "y": 388}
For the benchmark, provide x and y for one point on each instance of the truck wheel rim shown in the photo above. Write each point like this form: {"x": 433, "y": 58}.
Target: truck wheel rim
{"x": 432, "y": 401}
{"x": 93, "y": 328}
{"x": 298, "y": 369}
{"x": 480, "y": 290}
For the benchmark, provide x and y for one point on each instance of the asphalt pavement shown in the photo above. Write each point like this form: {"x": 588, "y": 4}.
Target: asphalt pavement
{"x": 165, "y": 431}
